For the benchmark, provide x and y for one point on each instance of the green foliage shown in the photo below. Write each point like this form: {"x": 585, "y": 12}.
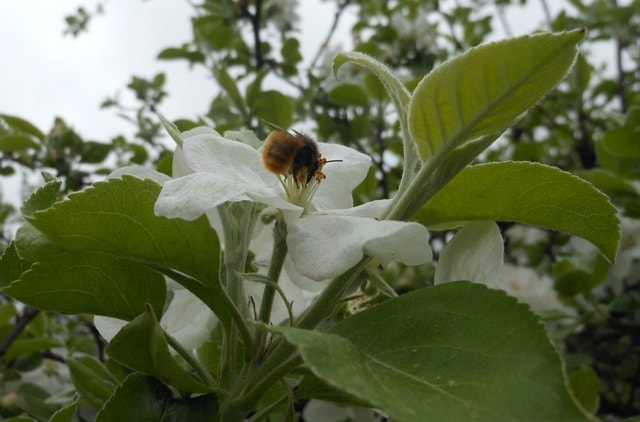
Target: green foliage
{"x": 451, "y": 352}
{"x": 141, "y": 346}
{"x": 526, "y": 193}
{"x": 92, "y": 379}
{"x": 453, "y": 106}
{"x": 142, "y": 397}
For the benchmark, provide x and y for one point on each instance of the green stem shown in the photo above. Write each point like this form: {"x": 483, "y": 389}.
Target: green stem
{"x": 238, "y": 220}
{"x": 204, "y": 374}
{"x": 263, "y": 383}
{"x": 275, "y": 268}
{"x": 216, "y": 300}
{"x": 283, "y": 358}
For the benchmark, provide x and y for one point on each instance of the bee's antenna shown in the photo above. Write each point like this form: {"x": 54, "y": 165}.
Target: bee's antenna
{"x": 273, "y": 125}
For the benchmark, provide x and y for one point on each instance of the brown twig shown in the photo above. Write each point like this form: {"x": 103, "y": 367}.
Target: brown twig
{"x": 28, "y": 315}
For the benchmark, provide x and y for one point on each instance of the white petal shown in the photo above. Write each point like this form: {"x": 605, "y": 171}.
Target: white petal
{"x": 371, "y": 209}
{"x": 207, "y": 151}
{"x": 262, "y": 245}
{"x": 140, "y": 172}
{"x": 214, "y": 170}
{"x": 475, "y": 253}
{"x": 325, "y": 246}
{"x": 191, "y": 196}
{"x": 342, "y": 176}
{"x": 108, "y": 327}
{"x": 180, "y": 163}
{"x": 188, "y": 320}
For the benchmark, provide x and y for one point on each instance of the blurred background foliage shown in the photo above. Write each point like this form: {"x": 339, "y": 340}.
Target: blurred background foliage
{"x": 589, "y": 126}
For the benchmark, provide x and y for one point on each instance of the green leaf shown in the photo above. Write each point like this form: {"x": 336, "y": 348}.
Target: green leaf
{"x": 255, "y": 87}
{"x": 141, "y": 346}
{"x": 11, "y": 265}
{"x": 143, "y": 398}
{"x": 579, "y": 274}
{"x": 454, "y": 352}
{"x": 586, "y": 387}
{"x": 34, "y": 401}
{"x": 92, "y": 379}
{"x": 400, "y": 97}
{"x": 628, "y": 167}
{"x": 528, "y": 193}
{"x": 181, "y": 53}
{"x": 95, "y": 152}
{"x": 291, "y": 56}
{"x": 274, "y": 107}
{"x": 26, "y": 346}
{"x": 349, "y": 95}
{"x": 17, "y": 143}
{"x": 483, "y": 91}
{"x": 609, "y": 183}
{"x": 66, "y": 413}
{"x": 116, "y": 218}
{"x": 22, "y": 126}
{"x": 90, "y": 283}
{"x": 621, "y": 142}
{"x": 397, "y": 91}
{"x": 231, "y": 88}
{"x": 42, "y": 198}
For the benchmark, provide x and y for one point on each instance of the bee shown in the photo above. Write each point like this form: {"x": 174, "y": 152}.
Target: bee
{"x": 293, "y": 154}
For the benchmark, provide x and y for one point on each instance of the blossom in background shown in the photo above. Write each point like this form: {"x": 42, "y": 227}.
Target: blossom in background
{"x": 476, "y": 253}
{"x": 531, "y": 288}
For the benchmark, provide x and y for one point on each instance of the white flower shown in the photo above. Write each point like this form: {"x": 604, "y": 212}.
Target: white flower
{"x": 323, "y": 243}
{"x": 210, "y": 170}
{"x": 529, "y": 287}
{"x": 476, "y": 254}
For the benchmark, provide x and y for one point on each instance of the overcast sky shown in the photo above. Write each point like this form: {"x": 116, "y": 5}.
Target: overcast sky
{"x": 45, "y": 74}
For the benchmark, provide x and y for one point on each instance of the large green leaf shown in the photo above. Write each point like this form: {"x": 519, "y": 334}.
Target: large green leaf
{"x": 116, "y": 218}
{"x": 529, "y": 193}
{"x": 143, "y": 398}
{"x": 484, "y": 90}
{"x": 141, "y": 345}
{"x": 90, "y": 283}
{"x": 454, "y": 352}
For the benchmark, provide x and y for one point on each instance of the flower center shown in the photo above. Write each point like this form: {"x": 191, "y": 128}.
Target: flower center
{"x": 301, "y": 187}
{"x": 295, "y": 159}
